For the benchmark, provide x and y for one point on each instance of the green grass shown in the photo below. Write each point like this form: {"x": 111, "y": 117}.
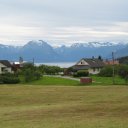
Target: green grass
{"x": 63, "y": 106}
{"x": 45, "y": 80}
{"x": 107, "y": 80}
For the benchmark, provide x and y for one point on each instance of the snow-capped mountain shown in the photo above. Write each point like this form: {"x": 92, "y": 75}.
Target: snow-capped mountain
{"x": 96, "y": 44}
{"x": 41, "y": 51}
{"x": 81, "y": 50}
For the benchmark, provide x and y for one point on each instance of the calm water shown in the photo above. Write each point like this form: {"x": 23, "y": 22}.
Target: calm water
{"x": 60, "y": 64}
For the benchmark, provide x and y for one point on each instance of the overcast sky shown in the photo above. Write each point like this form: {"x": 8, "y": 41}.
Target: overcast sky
{"x": 63, "y": 21}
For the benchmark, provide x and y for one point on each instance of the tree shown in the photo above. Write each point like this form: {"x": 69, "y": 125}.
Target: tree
{"x": 28, "y": 75}
{"x": 51, "y": 70}
{"x": 123, "y": 70}
{"x": 100, "y": 58}
{"x": 106, "y": 71}
{"x": 30, "y": 72}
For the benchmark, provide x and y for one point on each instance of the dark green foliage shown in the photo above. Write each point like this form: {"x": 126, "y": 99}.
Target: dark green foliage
{"x": 120, "y": 70}
{"x": 100, "y": 58}
{"x": 50, "y": 70}
{"x": 123, "y": 60}
{"x": 70, "y": 71}
{"x": 28, "y": 66}
{"x": 37, "y": 75}
{"x": 106, "y": 71}
{"x": 81, "y": 73}
{"x": 28, "y": 75}
{"x": 30, "y": 72}
{"x": 123, "y": 72}
{"x": 8, "y": 78}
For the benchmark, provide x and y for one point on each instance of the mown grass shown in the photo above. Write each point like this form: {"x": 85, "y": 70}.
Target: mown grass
{"x": 63, "y": 106}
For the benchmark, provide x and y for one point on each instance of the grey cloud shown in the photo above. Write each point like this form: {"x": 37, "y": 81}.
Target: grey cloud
{"x": 47, "y": 15}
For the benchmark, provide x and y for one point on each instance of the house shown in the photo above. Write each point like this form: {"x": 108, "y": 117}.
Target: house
{"x": 5, "y": 66}
{"x": 93, "y": 65}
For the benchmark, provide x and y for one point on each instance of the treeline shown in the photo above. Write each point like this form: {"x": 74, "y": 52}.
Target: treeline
{"x": 120, "y": 70}
{"x": 29, "y": 73}
{"x": 123, "y": 60}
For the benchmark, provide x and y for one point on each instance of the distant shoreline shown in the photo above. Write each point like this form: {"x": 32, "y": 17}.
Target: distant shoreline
{"x": 60, "y": 64}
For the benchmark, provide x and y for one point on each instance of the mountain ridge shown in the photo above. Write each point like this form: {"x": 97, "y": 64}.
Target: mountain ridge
{"x": 42, "y": 51}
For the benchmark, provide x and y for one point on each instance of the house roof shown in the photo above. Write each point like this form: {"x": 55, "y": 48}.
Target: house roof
{"x": 91, "y": 63}
{"x": 95, "y": 63}
{"x": 80, "y": 67}
{"x": 6, "y": 63}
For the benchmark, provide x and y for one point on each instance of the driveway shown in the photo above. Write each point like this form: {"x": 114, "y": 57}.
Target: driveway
{"x": 65, "y": 77}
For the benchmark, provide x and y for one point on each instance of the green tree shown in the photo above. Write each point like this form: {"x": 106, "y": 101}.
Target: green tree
{"x": 123, "y": 72}
{"x": 106, "y": 71}
{"x": 30, "y": 72}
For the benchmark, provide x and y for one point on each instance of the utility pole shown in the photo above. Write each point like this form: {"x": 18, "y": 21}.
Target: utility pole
{"x": 113, "y": 68}
{"x": 33, "y": 61}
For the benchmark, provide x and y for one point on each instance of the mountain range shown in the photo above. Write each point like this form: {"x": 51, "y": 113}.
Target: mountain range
{"x": 43, "y": 52}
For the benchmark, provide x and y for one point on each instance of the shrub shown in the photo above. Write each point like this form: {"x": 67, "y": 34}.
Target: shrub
{"x": 50, "y": 70}
{"x": 123, "y": 71}
{"x": 81, "y": 73}
{"x": 28, "y": 75}
{"x": 9, "y": 79}
{"x": 37, "y": 75}
{"x": 106, "y": 71}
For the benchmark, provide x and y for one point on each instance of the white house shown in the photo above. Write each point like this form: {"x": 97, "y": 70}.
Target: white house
{"x": 93, "y": 65}
{"x": 5, "y": 66}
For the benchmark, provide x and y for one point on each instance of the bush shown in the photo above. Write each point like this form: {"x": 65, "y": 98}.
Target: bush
{"x": 37, "y": 75}
{"x": 123, "y": 71}
{"x": 9, "y": 79}
{"x": 50, "y": 70}
{"x": 106, "y": 71}
{"x": 81, "y": 73}
{"x": 28, "y": 75}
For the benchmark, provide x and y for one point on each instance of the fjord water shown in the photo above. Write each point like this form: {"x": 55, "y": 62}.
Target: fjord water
{"x": 60, "y": 64}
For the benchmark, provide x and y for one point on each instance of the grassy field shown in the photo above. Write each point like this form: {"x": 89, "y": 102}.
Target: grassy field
{"x": 45, "y": 80}
{"x": 97, "y": 80}
{"x": 33, "y": 106}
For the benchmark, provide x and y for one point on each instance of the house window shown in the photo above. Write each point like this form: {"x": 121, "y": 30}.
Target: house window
{"x": 98, "y": 69}
{"x": 81, "y": 62}
{"x": 2, "y": 69}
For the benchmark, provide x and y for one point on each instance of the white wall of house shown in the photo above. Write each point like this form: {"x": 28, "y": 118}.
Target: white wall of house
{"x": 94, "y": 70}
{"x": 1, "y": 66}
{"x": 82, "y": 62}
{"x": 7, "y": 69}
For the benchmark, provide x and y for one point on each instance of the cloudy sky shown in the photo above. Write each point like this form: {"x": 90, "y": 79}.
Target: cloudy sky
{"x": 63, "y": 21}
